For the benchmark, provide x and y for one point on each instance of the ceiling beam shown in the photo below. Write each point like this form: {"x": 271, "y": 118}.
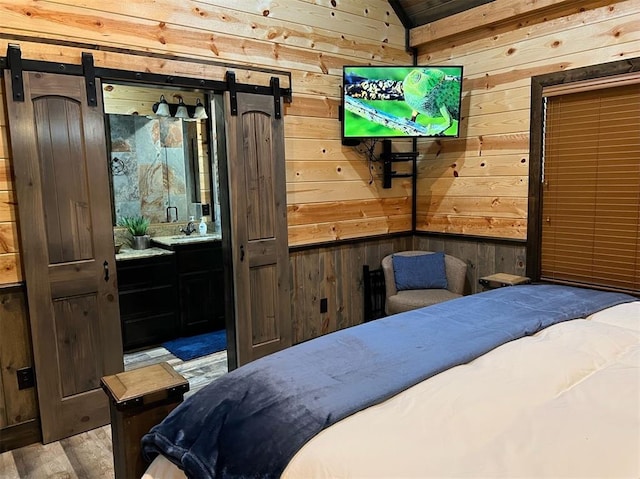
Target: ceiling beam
{"x": 476, "y": 18}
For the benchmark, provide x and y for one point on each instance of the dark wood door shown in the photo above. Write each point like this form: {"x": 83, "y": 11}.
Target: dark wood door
{"x": 147, "y": 292}
{"x": 258, "y": 217}
{"x": 66, "y": 243}
{"x": 201, "y": 284}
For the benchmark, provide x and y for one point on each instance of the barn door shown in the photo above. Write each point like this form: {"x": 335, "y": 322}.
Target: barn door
{"x": 66, "y": 244}
{"x": 258, "y": 216}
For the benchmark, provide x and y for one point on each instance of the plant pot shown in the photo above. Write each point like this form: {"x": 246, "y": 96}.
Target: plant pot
{"x": 141, "y": 242}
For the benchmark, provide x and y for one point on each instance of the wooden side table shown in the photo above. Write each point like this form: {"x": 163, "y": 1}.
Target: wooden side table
{"x": 500, "y": 280}
{"x": 138, "y": 400}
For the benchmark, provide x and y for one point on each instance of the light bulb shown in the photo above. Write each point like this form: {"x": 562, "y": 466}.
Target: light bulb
{"x": 201, "y": 113}
{"x": 162, "y": 108}
{"x": 182, "y": 112}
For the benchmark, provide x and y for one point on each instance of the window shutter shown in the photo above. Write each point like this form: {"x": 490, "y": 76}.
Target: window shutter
{"x": 591, "y": 190}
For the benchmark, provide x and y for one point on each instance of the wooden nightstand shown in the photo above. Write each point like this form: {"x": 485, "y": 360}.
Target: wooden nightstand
{"x": 138, "y": 400}
{"x": 499, "y": 280}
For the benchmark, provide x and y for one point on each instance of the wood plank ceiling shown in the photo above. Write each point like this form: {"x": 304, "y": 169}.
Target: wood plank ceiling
{"x": 415, "y": 13}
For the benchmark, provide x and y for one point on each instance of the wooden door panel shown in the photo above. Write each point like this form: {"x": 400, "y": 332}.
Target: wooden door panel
{"x": 78, "y": 233}
{"x": 62, "y": 186}
{"x": 79, "y": 345}
{"x": 256, "y": 128}
{"x": 263, "y": 305}
{"x": 59, "y": 128}
{"x": 73, "y": 279}
{"x": 44, "y": 84}
{"x": 257, "y": 197}
{"x": 262, "y": 252}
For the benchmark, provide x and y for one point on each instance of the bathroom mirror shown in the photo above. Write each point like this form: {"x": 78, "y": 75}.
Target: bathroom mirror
{"x": 159, "y": 159}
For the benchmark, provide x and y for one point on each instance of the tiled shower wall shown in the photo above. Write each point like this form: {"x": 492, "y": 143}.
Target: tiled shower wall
{"x": 150, "y": 168}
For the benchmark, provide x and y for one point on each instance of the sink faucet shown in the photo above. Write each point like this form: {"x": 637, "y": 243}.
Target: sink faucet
{"x": 190, "y": 228}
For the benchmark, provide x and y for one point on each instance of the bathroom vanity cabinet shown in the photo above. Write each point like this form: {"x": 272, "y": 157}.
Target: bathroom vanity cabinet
{"x": 147, "y": 292}
{"x": 201, "y": 287}
{"x": 178, "y": 290}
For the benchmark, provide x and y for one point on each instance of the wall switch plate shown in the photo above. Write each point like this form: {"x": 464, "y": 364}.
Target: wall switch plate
{"x": 323, "y": 305}
{"x": 26, "y": 378}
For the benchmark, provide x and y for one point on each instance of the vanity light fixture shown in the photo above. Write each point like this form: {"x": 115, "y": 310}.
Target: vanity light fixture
{"x": 201, "y": 113}
{"x": 162, "y": 107}
{"x": 182, "y": 112}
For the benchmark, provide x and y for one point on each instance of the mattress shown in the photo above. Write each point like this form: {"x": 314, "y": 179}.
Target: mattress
{"x": 564, "y": 402}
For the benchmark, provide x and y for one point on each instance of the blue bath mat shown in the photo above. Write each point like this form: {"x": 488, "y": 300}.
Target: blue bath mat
{"x": 196, "y": 346}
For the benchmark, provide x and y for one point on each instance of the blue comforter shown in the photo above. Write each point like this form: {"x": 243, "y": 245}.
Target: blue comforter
{"x": 250, "y": 422}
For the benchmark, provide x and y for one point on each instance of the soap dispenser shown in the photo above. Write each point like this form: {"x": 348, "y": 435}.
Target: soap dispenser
{"x": 202, "y": 227}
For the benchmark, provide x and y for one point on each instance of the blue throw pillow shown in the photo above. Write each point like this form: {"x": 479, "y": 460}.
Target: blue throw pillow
{"x": 425, "y": 271}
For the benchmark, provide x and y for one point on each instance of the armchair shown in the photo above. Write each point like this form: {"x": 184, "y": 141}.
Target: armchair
{"x": 408, "y": 299}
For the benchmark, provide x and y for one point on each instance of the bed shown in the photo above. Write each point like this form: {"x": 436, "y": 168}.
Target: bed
{"x": 538, "y": 381}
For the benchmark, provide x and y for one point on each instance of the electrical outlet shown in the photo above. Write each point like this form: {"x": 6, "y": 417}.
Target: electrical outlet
{"x": 323, "y": 305}
{"x": 206, "y": 209}
{"x": 26, "y": 378}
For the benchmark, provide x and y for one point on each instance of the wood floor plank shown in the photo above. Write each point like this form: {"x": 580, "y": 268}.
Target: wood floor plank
{"x": 90, "y": 454}
{"x": 8, "y": 468}
{"x": 147, "y": 357}
{"x": 43, "y": 461}
{"x": 201, "y": 371}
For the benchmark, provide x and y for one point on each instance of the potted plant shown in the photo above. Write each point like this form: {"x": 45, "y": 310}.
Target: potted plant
{"x": 137, "y": 226}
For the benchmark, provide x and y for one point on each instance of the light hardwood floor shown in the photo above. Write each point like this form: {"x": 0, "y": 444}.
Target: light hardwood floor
{"x": 199, "y": 372}
{"x": 89, "y": 455}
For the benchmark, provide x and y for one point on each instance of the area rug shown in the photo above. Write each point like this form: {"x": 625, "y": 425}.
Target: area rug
{"x": 196, "y": 346}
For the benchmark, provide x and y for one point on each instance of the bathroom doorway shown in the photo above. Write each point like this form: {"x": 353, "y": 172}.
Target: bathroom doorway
{"x": 163, "y": 163}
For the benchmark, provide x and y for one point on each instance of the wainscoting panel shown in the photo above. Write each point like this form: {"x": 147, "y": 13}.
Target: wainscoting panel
{"x": 483, "y": 256}
{"x": 18, "y": 407}
{"x": 334, "y": 272}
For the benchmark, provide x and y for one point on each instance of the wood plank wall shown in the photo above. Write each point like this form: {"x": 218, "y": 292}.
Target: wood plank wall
{"x": 335, "y": 273}
{"x": 478, "y": 184}
{"x": 483, "y": 257}
{"x": 10, "y": 269}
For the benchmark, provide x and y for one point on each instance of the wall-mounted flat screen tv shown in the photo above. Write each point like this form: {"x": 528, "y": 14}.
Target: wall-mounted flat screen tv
{"x": 401, "y": 101}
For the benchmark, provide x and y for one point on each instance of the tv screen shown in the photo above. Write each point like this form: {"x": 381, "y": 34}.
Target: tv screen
{"x": 401, "y": 101}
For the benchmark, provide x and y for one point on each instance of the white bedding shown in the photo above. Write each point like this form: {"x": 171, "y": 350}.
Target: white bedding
{"x": 562, "y": 403}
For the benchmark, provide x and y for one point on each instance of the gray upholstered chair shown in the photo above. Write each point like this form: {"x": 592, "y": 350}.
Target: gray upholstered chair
{"x": 405, "y": 300}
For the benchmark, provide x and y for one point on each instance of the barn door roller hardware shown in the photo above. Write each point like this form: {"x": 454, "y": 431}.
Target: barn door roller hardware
{"x": 16, "y": 64}
{"x": 89, "y": 78}
{"x": 231, "y": 88}
{"x": 14, "y": 58}
{"x": 273, "y": 89}
{"x": 275, "y": 86}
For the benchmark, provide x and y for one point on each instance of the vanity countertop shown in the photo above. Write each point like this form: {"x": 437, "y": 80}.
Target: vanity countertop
{"x": 184, "y": 239}
{"x": 127, "y": 253}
